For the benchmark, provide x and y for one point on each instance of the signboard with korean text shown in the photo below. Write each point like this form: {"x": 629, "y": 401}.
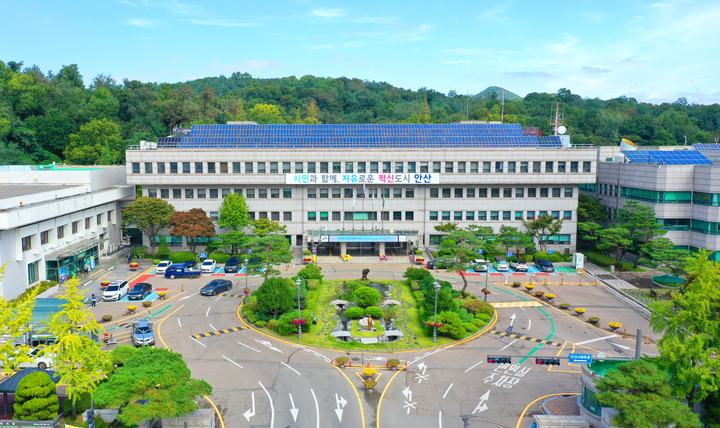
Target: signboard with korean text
{"x": 418, "y": 178}
{"x": 580, "y": 358}
{"x": 361, "y": 238}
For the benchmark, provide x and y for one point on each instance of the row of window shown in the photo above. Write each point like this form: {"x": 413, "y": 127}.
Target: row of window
{"x": 561, "y": 239}
{"x": 656, "y": 196}
{"x": 397, "y": 192}
{"x": 496, "y": 215}
{"x": 700, "y": 226}
{"x": 60, "y": 231}
{"x": 498, "y": 167}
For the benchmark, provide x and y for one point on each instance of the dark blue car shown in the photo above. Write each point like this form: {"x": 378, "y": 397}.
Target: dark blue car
{"x": 140, "y": 291}
{"x": 215, "y": 286}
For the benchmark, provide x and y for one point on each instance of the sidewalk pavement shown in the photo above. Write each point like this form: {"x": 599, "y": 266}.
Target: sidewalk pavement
{"x": 606, "y": 276}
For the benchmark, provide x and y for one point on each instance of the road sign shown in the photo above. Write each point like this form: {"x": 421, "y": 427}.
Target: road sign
{"x": 314, "y": 250}
{"x": 203, "y": 255}
{"x": 509, "y": 254}
{"x": 480, "y": 251}
{"x": 550, "y": 252}
{"x": 580, "y": 358}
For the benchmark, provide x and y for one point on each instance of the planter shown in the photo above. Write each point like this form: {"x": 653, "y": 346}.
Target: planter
{"x": 393, "y": 363}
{"x": 104, "y": 284}
{"x": 529, "y": 287}
{"x": 564, "y": 305}
{"x": 106, "y": 318}
{"x": 132, "y": 309}
{"x": 147, "y": 303}
{"x": 341, "y": 361}
{"x": 369, "y": 373}
{"x": 593, "y": 320}
{"x": 579, "y": 311}
{"x": 134, "y": 265}
{"x": 162, "y": 294}
{"x": 549, "y": 296}
{"x": 516, "y": 284}
{"x": 539, "y": 293}
{"x": 614, "y": 325}
{"x": 307, "y": 260}
{"x": 370, "y": 384}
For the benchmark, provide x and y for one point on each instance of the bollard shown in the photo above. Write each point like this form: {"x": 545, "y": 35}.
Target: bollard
{"x": 580, "y": 282}
{"x": 624, "y": 333}
{"x": 647, "y": 340}
{"x": 562, "y": 281}
{"x": 183, "y": 287}
{"x": 545, "y": 282}
{"x": 594, "y": 283}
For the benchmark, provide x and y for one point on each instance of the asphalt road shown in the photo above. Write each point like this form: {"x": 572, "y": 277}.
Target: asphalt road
{"x": 264, "y": 381}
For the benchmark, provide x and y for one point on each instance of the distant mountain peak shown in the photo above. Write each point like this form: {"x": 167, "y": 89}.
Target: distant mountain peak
{"x": 509, "y": 96}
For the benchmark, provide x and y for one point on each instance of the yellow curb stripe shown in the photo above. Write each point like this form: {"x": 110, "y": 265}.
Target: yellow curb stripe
{"x": 522, "y": 415}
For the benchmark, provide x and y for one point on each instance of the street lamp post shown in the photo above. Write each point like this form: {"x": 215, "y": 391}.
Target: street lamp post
{"x": 247, "y": 271}
{"x": 487, "y": 274}
{"x": 299, "y": 283}
{"x": 436, "y": 286}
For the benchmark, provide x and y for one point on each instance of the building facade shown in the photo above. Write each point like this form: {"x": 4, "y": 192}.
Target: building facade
{"x": 57, "y": 221}
{"x": 369, "y": 189}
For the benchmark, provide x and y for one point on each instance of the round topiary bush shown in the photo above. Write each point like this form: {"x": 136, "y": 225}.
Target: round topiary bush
{"x": 36, "y": 398}
{"x": 478, "y": 307}
{"x": 470, "y": 327}
{"x": 272, "y": 324}
{"x": 252, "y": 319}
{"x": 366, "y": 296}
{"x": 261, "y": 324}
{"x": 374, "y": 311}
{"x": 354, "y": 312}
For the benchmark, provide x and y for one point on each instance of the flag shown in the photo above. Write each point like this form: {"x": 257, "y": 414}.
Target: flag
{"x": 383, "y": 198}
{"x": 364, "y": 191}
{"x": 353, "y": 200}
{"x": 372, "y": 201}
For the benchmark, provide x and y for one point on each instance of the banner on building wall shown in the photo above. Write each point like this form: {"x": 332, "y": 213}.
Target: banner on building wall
{"x": 364, "y": 238}
{"x": 362, "y": 178}
{"x": 64, "y": 274}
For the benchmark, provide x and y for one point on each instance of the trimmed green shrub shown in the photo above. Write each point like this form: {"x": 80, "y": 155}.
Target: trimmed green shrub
{"x": 139, "y": 251}
{"x": 472, "y": 296}
{"x": 478, "y": 307}
{"x": 483, "y": 317}
{"x": 391, "y": 312}
{"x": 374, "y": 311}
{"x": 436, "y": 254}
{"x": 478, "y": 323}
{"x": 418, "y": 252}
{"x": 181, "y": 256}
{"x": 456, "y": 294}
{"x": 470, "y": 327}
{"x": 354, "y": 312}
{"x": 251, "y": 305}
{"x": 528, "y": 258}
{"x": 465, "y": 316}
{"x": 122, "y": 353}
{"x": 285, "y": 325}
{"x": 366, "y": 296}
{"x": 219, "y": 256}
{"x": 307, "y": 252}
{"x": 445, "y": 302}
{"x": 313, "y": 284}
{"x": 273, "y": 324}
{"x": 419, "y": 296}
{"x": 416, "y": 274}
{"x": 252, "y": 318}
{"x": 452, "y": 325}
{"x": 600, "y": 259}
{"x": 36, "y": 398}
{"x": 415, "y": 285}
{"x": 81, "y": 405}
{"x": 261, "y": 324}
{"x": 311, "y": 271}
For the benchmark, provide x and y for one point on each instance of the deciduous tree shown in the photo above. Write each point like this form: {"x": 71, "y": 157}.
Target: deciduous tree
{"x": 542, "y": 227}
{"x": 265, "y": 226}
{"x": 233, "y": 215}
{"x": 15, "y": 320}
{"x": 446, "y": 228}
{"x": 98, "y": 143}
{"x": 150, "y": 215}
{"x": 192, "y": 224}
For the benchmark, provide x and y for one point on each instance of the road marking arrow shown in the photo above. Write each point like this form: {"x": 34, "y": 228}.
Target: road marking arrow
{"x": 407, "y": 393}
{"x": 341, "y": 402}
{"x": 293, "y": 410}
{"x": 250, "y": 412}
{"x": 422, "y": 367}
{"x": 512, "y": 319}
{"x": 481, "y": 407}
{"x": 485, "y": 396}
{"x": 269, "y": 345}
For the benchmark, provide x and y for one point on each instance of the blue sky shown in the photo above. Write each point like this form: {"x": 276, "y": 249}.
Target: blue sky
{"x": 650, "y": 50}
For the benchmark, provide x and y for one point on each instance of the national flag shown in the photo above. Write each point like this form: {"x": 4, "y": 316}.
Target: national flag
{"x": 364, "y": 191}
{"x": 372, "y": 201}
{"x": 383, "y": 198}
{"x": 353, "y": 201}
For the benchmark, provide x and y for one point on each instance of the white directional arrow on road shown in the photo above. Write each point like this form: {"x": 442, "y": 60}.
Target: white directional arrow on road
{"x": 250, "y": 412}
{"x": 512, "y": 320}
{"x": 481, "y": 407}
{"x": 293, "y": 410}
{"x": 407, "y": 393}
{"x": 341, "y": 402}
{"x": 422, "y": 367}
{"x": 269, "y": 345}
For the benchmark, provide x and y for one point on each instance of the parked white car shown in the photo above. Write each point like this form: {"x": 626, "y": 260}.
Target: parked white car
{"x": 162, "y": 267}
{"x": 116, "y": 290}
{"x": 208, "y": 266}
{"x": 39, "y": 362}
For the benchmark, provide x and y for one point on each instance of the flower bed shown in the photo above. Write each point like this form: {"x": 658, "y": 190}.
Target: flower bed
{"x": 341, "y": 361}
{"x": 393, "y": 362}
{"x": 549, "y": 296}
{"x": 539, "y": 293}
{"x": 370, "y": 383}
{"x": 106, "y": 318}
{"x": 593, "y": 320}
{"x": 147, "y": 303}
{"x": 368, "y": 372}
{"x": 564, "y": 305}
{"x": 614, "y": 325}
{"x": 579, "y": 311}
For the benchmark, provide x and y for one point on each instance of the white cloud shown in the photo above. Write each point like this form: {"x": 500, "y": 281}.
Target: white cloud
{"x": 328, "y": 13}
{"x": 462, "y": 51}
{"x": 145, "y": 23}
{"x": 594, "y": 69}
{"x": 565, "y": 47}
{"x": 414, "y": 35}
{"x": 128, "y": 3}
{"x": 225, "y": 23}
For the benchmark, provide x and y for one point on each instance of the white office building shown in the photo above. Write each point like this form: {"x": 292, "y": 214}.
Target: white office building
{"x": 57, "y": 221}
{"x": 369, "y": 189}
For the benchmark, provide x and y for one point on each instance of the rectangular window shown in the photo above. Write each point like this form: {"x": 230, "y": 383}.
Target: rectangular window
{"x": 273, "y": 167}
{"x": 397, "y": 192}
{"x": 261, "y": 168}
{"x": 44, "y": 238}
{"x": 494, "y": 215}
{"x": 152, "y": 193}
{"x": 518, "y": 215}
{"x": 324, "y": 216}
{"x": 542, "y": 213}
{"x": 186, "y": 167}
{"x": 251, "y": 215}
{"x": 275, "y": 216}
{"x": 446, "y": 215}
{"x": 248, "y": 167}
{"x": 324, "y": 193}
{"x": 523, "y": 166}
{"x": 109, "y": 216}
{"x": 385, "y": 216}
{"x": 470, "y": 215}
{"x": 323, "y": 167}
{"x": 424, "y": 167}
{"x": 361, "y": 168}
{"x": 349, "y": 167}
{"x": 214, "y": 215}
{"x": 567, "y": 215}
{"x": 561, "y": 167}
{"x": 473, "y": 167}
{"x": 173, "y": 168}
{"x": 511, "y": 167}
{"x": 148, "y": 168}
{"x": 556, "y": 192}
{"x": 536, "y": 167}
{"x": 387, "y": 167}
{"x": 499, "y": 167}
{"x": 287, "y": 216}
{"x": 337, "y": 168}
{"x": 506, "y": 215}
{"x": 348, "y": 193}
{"x": 287, "y": 193}
{"x": 495, "y": 192}
{"x": 189, "y": 193}
{"x": 459, "y": 192}
{"x": 486, "y": 167}
{"x": 482, "y": 192}
{"x": 399, "y": 168}
{"x": 27, "y": 242}
{"x": 336, "y": 215}
{"x": 397, "y": 215}
{"x": 312, "y": 193}
{"x": 298, "y": 167}
{"x": 311, "y": 168}
{"x": 457, "y": 215}
{"x": 211, "y": 168}
{"x": 213, "y": 193}
{"x": 519, "y": 192}
{"x": 433, "y": 215}
{"x": 507, "y": 192}
{"x": 250, "y": 193}
{"x": 411, "y": 168}
{"x": 177, "y": 193}
{"x": 336, "y": 193}
{"x": 461, "y": 167}
{"x": 198, "y": 167}
{"x": 436, "y": 167}
{"x": 434, "y": 192}
{"x": 225, "y": 193}
{"x": 61, "y": 230}
{"x": 409, "y": 216}
{"x": 470, "y": 192}
{"x": 587, "y": 166}
{"x": 573, "y": 166}
{"x": 556, "y": 215}
{"x": 568, "y": 192}
{"x": 446, "y": 192}
{"x": 482, "y": 215}
{"x": 136, "y": 167}
{"x": 449, "y": 167}
{"x": 312, "y": 216}
{"x": 543, "y": 192}
{"x": 531, "y": 215}
{"x": 201, "y": 193}
{"x": 274, "y": 193}
{"x": 373, "y": 167}
{"x": 549, "y": 167}
{"x": 236, "y": 168}
{"x": 238, "y": 191}
{"x": 532, "y": 192}
{"x": 409, "y": 192}
{"x": 87, "y": 223}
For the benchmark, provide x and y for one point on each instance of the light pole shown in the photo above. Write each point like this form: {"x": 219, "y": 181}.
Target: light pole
{"x": 487, "y": 274}
{"x": 247, "y": 271}
{"x": 436, "y": 286}
{"x": 299, "y": 283}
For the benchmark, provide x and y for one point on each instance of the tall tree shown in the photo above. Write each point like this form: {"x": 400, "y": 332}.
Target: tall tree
{"x": 265, "y": 226}
{"x": 591, "y": 210}
{"x": 150, "y": 215}
{"x": 639, "y": 391}
{"x": 79, "y": 361}
{"x": 267, "y": 114}
{"x": 233, "y": 215}
{"x": 192, "y": 224}
{"x": 446, "y": 228}
{"x": 276, "y": 296}
{"x": 691, "y": 331}
{"x": 157, "y": 375}
{"x": 640, "y": 221}
{"x": 98, "y": 143}
{"x": 511, "y": 237}
{"x": 464, "y": 246}
{"x": 615, "y": 241}
{"x": 271, "y": 251}
{"x": 15, "y": 320}
{"x": 541, "y": 228}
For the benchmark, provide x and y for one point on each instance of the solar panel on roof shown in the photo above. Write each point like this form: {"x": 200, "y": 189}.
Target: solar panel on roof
{"x": 684, "y": 157}
{"x": 698, "y": 146}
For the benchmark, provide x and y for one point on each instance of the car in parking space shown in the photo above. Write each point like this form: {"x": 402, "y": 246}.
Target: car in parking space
{"x": 140, "y": 291}
{"x": 500, "y": 264}
{"x": 232, "y": 265}
{"x": 215, "y": 286}
{"x": 42, "y": 363}
{"x": 208, "y": 266}
{"x": 544, "y": 265}
{"x": 116, "y": 290}
{"x": 520, "y": 265}
{"x": 479, "y": 265}
{"x": 162, "y": 267}
{"x": 442, "y": 262}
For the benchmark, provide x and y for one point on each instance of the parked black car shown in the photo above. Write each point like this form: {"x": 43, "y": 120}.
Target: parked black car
{"x": 140, "y": 291}
{"x": 215, "y": 286}
{"x": 442, "y": 262}
{"x": 232, "y": 265}
{"x": 544, "y": 265}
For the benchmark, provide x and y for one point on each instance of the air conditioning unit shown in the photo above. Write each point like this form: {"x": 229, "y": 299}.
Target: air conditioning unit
{"x": 567, "y": 250}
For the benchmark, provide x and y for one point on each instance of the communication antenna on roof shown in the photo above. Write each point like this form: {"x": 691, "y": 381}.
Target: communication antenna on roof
{"x": 558, "y": 124}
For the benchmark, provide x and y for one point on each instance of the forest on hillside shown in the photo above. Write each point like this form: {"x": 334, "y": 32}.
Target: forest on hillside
{"x": 47, "y": 117}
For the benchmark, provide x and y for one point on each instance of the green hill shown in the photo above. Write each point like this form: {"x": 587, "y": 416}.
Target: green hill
{"x": 509, "y": 96}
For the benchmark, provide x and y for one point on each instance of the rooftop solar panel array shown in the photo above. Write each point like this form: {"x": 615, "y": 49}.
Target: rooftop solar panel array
{"x": 664, "y": 157}
{"x": 357, "y": 136}
{"x": 706, "y": 146}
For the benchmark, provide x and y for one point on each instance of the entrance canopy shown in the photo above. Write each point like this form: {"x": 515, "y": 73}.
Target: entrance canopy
{"x": 361, "y": 235}
{"x": 74, "y": 249}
